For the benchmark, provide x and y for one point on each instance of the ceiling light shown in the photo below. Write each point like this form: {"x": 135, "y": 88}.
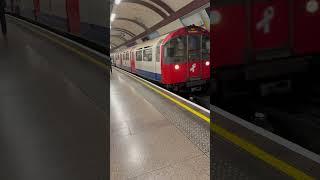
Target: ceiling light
{"x": 113, "y": 15}
{"x": 118, "y": 2}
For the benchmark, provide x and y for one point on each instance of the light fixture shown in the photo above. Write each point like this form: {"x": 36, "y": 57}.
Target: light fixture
{"x": 118, "y": 2}
{"x": 176, "y": 67}
{"x": 207, "y": 63}
{"x": 113, "y": 16}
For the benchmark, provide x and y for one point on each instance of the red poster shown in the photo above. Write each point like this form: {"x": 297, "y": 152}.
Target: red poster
{"x": 73, "y": 15}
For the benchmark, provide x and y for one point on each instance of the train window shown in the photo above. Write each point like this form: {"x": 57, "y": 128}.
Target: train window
{"x": 147, "y": 55}
{"x": 194, "y": 47}
{"x": 175, "y": 50}
{"x": 127, "y": 56}
{"x": 139, "y": 55}
{"x": 205, "y": 47}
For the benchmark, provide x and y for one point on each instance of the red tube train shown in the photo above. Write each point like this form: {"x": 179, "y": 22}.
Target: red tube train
{"x": 178, "y": 60}
{"x": 255, "y": 41}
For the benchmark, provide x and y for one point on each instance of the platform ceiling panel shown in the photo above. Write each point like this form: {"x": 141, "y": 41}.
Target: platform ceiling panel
{"x": 138, "y": 12}
{"x": 129, "y": 26}
{"x": 177, "y": 4}
{"x": 139, "y": 18}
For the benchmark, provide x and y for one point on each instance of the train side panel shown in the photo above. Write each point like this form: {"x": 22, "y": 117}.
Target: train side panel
{"x": 126, "y": 61}
{"x": 270, "y": 28}
{"x": 228, "y": 34}
{"x": 262, "y": 39}
{"x": 306, "y": 27}
{"x": 146, "y": 67}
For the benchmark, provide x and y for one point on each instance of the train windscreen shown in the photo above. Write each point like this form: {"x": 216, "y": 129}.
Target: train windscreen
{"x": 194, "y": 47}
{"x": 175, "y": 50}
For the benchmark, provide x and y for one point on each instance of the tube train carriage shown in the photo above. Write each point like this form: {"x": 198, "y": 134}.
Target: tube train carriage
{"x": 255, "y": 41}
{"x": 179, "y": 60}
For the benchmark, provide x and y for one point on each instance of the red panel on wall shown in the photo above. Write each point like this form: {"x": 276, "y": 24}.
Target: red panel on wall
{"x": 73, "y": 15}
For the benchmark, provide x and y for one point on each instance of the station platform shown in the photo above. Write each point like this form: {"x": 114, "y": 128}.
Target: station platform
{"x": 152, "y": 137}
{"x": 54, "y": 105}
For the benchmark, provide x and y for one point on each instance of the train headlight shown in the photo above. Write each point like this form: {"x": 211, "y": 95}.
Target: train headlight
{"x": 207, "y": 63}
{"x": 176, "y": 67}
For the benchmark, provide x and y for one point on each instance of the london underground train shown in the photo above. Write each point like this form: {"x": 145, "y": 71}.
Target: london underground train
{"x": 178, "y": 60}
{"x": 262, "y": 44}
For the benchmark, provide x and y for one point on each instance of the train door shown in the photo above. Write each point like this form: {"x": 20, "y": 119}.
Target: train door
{"x": 128, "y": 61}
{"x": 157, "y": 61}
{"x": 270, "y": 29}
{"x": 132, "y": 60}
{"x": 194, "y": 60}
{"x": 121, "y": 60}
{"x": 73, "y": 16}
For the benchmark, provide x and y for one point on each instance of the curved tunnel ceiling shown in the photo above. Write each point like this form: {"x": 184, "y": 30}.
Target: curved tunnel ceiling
{"x": 136, "y": 19}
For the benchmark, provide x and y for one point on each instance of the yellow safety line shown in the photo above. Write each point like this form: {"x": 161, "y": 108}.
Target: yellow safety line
{"x": 262, "y": 155}
{"x": 197, "y": 113}
{"x": 252, "y": 149}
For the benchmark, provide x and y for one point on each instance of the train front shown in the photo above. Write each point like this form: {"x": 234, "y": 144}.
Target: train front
{"x": 186, "y": 59}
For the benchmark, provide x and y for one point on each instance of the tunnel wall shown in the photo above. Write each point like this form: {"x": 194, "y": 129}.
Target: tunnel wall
{"x": 53, "y": 13}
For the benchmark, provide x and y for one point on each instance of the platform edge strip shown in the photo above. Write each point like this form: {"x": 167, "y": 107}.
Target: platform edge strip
{"x": 262, "y": 155}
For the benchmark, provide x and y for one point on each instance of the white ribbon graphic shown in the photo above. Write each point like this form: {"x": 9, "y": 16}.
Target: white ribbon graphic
{"x": 265, "y": 22}
{"x": 193, "y": 67}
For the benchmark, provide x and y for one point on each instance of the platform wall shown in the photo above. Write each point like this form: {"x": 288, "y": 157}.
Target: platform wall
{"x": 93, "y": 16}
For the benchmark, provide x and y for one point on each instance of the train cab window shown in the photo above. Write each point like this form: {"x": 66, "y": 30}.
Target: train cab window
{"x": 205, "y": 47}
{"x": 147, "y": 55}
{"x": 127, "y": 54}
{"x": 139, "y": 55}
{"x": 175, "y": 50}
{"x": 194, "y": 47}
